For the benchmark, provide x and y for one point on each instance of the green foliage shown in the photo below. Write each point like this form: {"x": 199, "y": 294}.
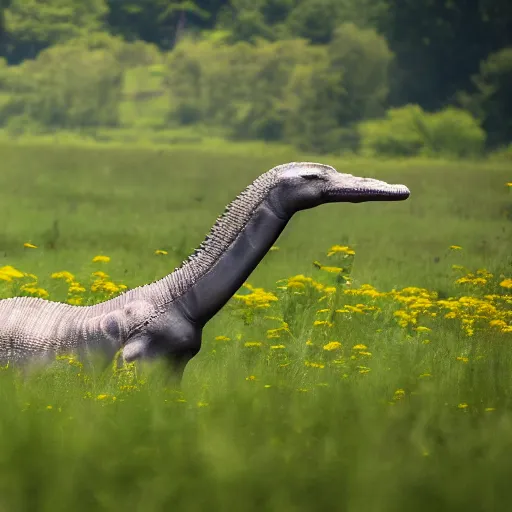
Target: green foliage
{"x": 409, "y": 131}
{"x": 32, "y": 25}
{"x": 492, "y": 101}
{"x": 157, "y": 21}
{"x": 439, "y": 45}
{"x": 286, "y": 90}
{"x": 314, "y": 20}
{"x": 67, "y": 87}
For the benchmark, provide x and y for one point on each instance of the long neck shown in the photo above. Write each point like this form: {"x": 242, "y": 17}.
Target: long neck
{"x": 211, "y": 292}
{"x": 235, "y": 245}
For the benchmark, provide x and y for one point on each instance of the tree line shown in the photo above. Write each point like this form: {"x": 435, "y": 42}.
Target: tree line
{"x": 314, "y": 72}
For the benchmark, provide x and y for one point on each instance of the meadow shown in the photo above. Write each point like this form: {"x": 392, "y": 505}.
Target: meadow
{"x": 366, "y": 366}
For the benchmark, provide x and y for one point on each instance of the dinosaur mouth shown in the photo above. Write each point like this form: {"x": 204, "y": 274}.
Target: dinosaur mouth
{"x": 365, "y": 189}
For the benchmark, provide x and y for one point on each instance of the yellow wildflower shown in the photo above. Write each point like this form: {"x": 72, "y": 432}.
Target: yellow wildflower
{"x": 75, "y": 301}
{"x": 38, "y": 292}
{"x": 222, "y": 338}
{"x": 251, "y": 377}
{"x": 399, "y": 394}
{"x": 274, "y": 248}
{"x": 332, "y": 345}
{"x": 76, "y": 288}
{"x": 509, "y": 184}
{"x": 29, "y": 245}
{"x": 100, "y": 274}
{"x": 340, "y": 249}
{"x": 463, "y": 405}
{"x": 67, "y": 276}
{"x": 507, "y": 283}
{"x": 250, "y": 344}
{"x": 10, "y": 272}
{"x": 317, "y": 323}
{"x": 421, "y": 328}
{"x": 332, "y": 270}
{"x": 490, "y": 409}
{"x": 365, "y": 353}
{"x": 359, "y": 346}
{"x": 277, "y": 347}
{"x": 101, "y": 259}
{"x": 160, "y": 252}
{"x": 497, "y": 323}
{"x": 314, "y": 365}
{"x": 309, "y": 342}
{"x": 455, "y": 247}
{"x": 463, "y": 359}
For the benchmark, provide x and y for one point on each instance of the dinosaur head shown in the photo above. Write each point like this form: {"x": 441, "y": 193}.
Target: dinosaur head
{"x": 303, "y": 185}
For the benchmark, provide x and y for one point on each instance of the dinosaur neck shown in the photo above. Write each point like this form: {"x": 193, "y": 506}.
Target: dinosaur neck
{"x": 211, "y": 292}
{"x": 235, "y": 245}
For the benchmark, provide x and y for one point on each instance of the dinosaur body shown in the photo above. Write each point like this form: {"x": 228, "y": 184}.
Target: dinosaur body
{"x": 166, "y": 318}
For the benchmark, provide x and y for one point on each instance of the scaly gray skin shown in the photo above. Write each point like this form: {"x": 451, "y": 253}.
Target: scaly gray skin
{"x": 166, "y": 318}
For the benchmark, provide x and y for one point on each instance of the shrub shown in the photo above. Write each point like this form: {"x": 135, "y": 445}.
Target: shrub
{"x": 67, "y": 86}
{"x": 409, "y": 131}
{"x": 396, "y": 135}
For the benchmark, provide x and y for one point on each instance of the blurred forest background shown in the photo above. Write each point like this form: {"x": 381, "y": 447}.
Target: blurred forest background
{"x": 374, "y": 77}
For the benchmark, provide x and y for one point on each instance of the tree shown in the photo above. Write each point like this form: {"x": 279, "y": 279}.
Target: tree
{"x": 31, "y": 25}
{"x": 67, "y": 86}
{"x": 492, "y": 100}
{"x": 439, "y": 44}
{"x": 160, "y": 22}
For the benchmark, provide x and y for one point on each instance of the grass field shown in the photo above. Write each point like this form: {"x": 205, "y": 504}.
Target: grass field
{"x": 390, "y": 392}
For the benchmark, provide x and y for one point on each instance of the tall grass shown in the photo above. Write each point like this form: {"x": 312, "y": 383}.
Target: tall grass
{"x": 334, "y": 402}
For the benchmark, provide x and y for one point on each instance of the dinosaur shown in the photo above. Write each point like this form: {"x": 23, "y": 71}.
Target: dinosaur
{"x": 165, "y": 319}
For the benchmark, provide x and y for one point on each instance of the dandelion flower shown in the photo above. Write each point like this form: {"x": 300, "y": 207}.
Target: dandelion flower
{"x": 65, "y": 275}
{"x": 314, "y": 365}
{"x": 222, "y": 338}
{"x": 160, "y": 252}
{"x": 507, "y": 283}
{"x": 10, "y": 272}
{"x": 341, "y": 249}
{"x": 317, "y": 323}
{"x": 277, "y": 347}
{"x": 101, "y": 259}
{"x": 463, "y": 405}
{"x": 251, "y": 344}
{"x": 332, "y": 345}
{"x": 455, "y": 247}
{"x": 29, "y": 245}
{"x": 251, "y": 377}
{"x": 359, "y": 346}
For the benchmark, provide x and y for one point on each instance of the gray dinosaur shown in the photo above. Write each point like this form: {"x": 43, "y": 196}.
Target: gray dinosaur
{"x": 166, "y": 318}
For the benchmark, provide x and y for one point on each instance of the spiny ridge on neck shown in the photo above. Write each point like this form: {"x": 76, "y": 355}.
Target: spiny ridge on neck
{"x": 224, "y": 231}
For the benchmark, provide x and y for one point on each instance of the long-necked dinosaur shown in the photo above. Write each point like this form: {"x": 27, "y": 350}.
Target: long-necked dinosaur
{"x": 166, "y": 318}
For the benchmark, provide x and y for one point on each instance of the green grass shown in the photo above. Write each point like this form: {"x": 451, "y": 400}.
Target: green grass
{"x": 292, "y": 437}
